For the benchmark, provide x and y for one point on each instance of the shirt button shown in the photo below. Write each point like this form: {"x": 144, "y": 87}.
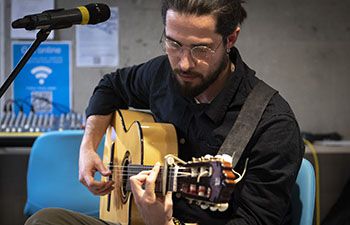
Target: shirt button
{"x": 182, "y": 141}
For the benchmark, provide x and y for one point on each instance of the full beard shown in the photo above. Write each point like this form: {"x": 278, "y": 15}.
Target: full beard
{"x": 187, "y": 89}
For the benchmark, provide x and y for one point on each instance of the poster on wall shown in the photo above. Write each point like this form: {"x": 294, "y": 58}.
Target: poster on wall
{"x": 97, "y": 45}
{"x": 2, "y": 40}
{"x": 45, "y": 81}
{"x": 2, "y": 50}
{"x": 20, "y": 8}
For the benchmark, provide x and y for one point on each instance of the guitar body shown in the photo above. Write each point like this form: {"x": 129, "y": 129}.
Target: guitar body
{"x": 132, "y": 138}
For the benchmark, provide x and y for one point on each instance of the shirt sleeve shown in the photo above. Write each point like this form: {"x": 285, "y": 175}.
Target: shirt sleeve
{"x": 127, "y": 87}
{"x": 263, "y": 196}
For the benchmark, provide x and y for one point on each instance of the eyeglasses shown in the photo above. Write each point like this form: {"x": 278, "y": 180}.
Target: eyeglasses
{"x": 174, "y": 48}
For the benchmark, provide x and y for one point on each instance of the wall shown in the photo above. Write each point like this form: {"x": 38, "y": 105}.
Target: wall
{"x": 299, "y": 47}
{"x": 302, "y": 48}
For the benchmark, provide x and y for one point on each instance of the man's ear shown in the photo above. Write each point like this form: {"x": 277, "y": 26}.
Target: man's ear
{"x": 232, "y": 38}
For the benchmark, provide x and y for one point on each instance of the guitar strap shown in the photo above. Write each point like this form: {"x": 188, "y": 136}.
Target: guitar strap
{"x": 247, "y": 121}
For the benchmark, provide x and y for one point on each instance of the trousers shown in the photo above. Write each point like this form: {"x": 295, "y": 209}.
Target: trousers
{"x": 58, "y": 216}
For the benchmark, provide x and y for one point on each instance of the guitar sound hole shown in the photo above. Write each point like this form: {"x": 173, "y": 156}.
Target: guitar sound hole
{"x": 125, "y": 177}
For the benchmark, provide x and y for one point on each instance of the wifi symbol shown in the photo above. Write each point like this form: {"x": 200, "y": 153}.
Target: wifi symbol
{"x": 41, "y": 73}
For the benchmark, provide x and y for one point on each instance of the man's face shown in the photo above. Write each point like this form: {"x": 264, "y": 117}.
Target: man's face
{"x": 193, "y": 74}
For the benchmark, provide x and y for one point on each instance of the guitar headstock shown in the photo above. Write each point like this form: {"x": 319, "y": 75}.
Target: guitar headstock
{"x": 207, "y": 181}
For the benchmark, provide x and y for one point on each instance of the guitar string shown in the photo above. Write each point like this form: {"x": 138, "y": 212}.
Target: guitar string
{"x": 132, "y": 166}
{"x": 170, "y": 174}
{"x": 142, "y": 168}
{"x": 157, "y": 180}
{"x": 139, "y": 171}
{"x": 133, "y": 170}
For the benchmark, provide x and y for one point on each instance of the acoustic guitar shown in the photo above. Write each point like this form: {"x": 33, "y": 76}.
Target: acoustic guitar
{"x": 135, "y": 142}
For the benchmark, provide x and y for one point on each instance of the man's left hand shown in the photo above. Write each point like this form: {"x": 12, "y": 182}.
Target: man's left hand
{"x": 154, "y": 210}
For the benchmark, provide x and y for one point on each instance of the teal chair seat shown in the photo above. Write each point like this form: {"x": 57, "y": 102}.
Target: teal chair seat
{"x": 52, "y": 177}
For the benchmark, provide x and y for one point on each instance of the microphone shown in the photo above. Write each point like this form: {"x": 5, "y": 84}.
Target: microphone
{"x": 61, "y": 18}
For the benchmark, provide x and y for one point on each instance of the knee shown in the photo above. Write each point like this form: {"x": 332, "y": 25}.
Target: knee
{"x": 48, "y": 216}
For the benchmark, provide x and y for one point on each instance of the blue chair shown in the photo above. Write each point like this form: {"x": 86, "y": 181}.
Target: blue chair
{"x": 52, "y": 177}
{"x": 303, "y": 195}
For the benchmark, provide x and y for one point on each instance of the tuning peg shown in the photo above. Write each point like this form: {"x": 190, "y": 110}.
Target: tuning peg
{"x": 213, "y": 208}
{"x": 207, "y": 156}
{"x": 201, "y": 190}
{"x": 204, "y": 205}
{"x": 193, "y": 189}
{"x": 195, "y": 159}
{"x": 222, "y": 207}
{"x": 227, "y": 158}
{"x": 170, "y": 160}
{"x": 218, "y": 156}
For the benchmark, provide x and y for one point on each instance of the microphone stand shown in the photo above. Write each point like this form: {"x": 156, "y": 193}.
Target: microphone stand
{"x": 40, "y": 37}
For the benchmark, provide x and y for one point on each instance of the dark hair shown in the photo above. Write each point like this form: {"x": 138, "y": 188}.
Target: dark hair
{"x": 229, "y": 13}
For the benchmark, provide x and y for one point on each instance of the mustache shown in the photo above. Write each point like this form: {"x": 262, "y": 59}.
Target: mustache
{"x": 187, "y": 73}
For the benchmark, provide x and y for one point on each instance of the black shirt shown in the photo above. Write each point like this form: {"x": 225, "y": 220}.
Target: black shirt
{"x": 275, "y": 150}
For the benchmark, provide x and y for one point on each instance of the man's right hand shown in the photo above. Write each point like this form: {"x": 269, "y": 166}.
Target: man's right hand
{"x": 89, "y": 163}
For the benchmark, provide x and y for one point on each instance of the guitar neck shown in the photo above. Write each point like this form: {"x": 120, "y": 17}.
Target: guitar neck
{"x": 133, "y": 169}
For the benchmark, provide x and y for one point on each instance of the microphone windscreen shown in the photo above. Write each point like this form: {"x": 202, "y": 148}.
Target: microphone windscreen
{"x": 98, "y": 13}
{"x": 20, "y": 23}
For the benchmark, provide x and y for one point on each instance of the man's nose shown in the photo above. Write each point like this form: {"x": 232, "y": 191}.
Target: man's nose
{"x": 186, "y": 60}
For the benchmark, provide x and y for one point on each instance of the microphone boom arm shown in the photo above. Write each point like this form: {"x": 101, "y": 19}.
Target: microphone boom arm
{"x": 40, "y": 37}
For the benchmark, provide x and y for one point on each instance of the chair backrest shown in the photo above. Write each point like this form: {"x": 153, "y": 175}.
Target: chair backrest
{"x": 52, "y": 176}
{"x": 303, "y": 195}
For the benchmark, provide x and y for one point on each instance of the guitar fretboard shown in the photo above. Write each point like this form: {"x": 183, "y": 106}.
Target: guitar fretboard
{"x": 135, "y": 169}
